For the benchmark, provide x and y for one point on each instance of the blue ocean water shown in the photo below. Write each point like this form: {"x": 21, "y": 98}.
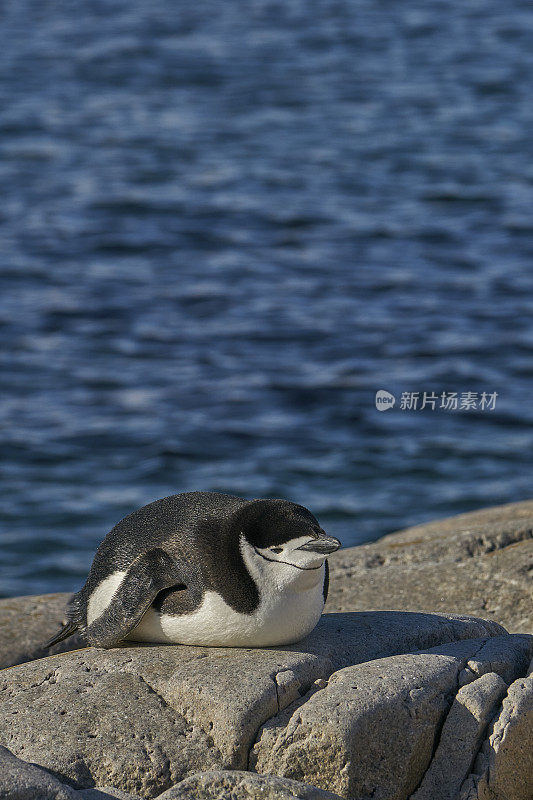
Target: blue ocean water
{"x": 224, "y": 226}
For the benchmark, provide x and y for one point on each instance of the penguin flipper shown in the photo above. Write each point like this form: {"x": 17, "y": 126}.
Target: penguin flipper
{"x": 148, "y": 575}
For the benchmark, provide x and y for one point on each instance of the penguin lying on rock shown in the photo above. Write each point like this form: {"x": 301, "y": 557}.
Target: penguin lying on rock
{"x": 202, "y": 568}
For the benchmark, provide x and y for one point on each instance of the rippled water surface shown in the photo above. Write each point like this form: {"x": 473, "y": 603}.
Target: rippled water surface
{"x": 224, "y": 226}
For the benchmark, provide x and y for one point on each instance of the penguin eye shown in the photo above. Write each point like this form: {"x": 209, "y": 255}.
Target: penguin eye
{"x": 276, "y": 549}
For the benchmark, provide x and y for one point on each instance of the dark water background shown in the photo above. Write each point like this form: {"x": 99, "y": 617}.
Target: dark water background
{"x": 224, "y": 226}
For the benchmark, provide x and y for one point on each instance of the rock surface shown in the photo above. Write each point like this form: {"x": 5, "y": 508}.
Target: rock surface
{"x": 22, "y": 781}
{"x": 240, "y": 785}
{"x": 372, "y": 731}
{"x": 26, "y": 623}
{"x": 472, "y": 709}
{"x": 504, "y": 767}
{"x": 142, "y": 718}
{"x": 478, "y": 563}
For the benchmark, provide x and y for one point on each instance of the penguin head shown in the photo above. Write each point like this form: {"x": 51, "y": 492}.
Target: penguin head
{"x": 284, "y": 539}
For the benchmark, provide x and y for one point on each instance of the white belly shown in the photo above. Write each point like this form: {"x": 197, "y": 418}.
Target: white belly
{"x": 281, "y": 618}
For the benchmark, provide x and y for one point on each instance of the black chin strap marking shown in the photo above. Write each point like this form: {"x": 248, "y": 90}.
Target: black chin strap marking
{"x": 288, "y": 563}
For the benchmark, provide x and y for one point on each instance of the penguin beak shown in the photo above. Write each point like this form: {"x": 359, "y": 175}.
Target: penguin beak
{"x": 323, "y": 545}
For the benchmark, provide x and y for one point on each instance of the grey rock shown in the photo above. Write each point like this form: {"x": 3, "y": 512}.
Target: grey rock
{"x": 240, "y": 785}
{"x": 347, "y": 639}
{"x": 504, "y": 769}
{"x": 142, "y": 718}
{"x": 508, "y": 656}
{"x": 101, "y": 728}
{"x": 461, "y": 736}
{"x": 104, "y": 793}
{"x": 26, "y": 623}
{"x": 334, "y": 738}
{"x": 371, "y": 732}
{"x": 22, "y": 781}
{"x": 480, "y": 563}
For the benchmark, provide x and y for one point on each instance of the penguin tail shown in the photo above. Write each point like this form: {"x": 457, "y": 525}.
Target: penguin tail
{"x": 75, "y": 619}
{"x": 66, "y": 631}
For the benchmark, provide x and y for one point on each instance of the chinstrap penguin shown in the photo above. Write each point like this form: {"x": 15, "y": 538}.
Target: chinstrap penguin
{"x": 203, "y": 568}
